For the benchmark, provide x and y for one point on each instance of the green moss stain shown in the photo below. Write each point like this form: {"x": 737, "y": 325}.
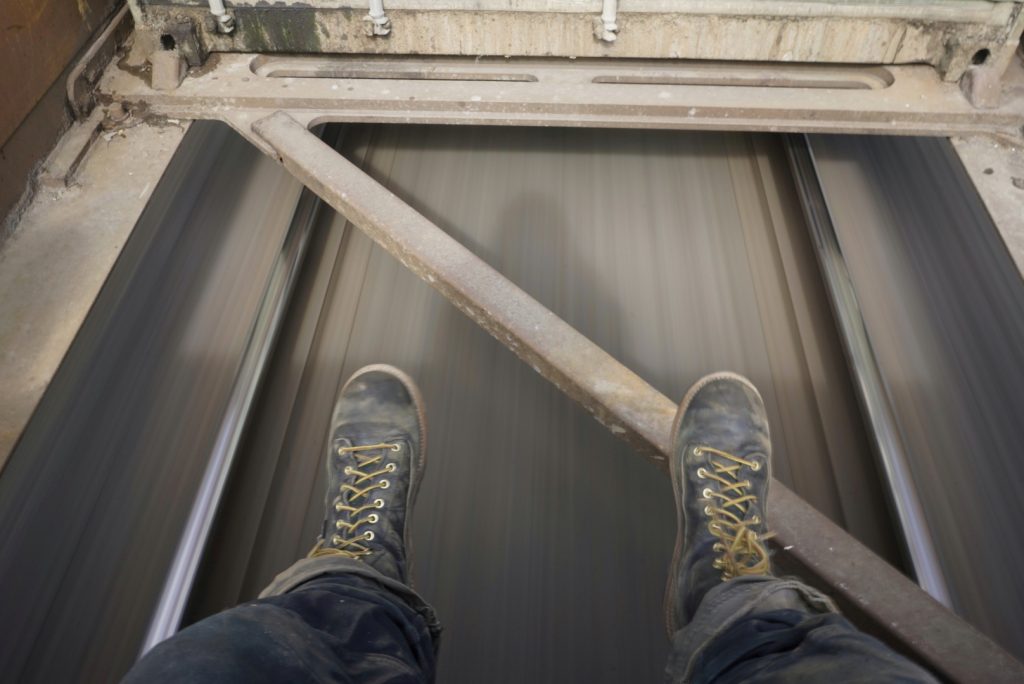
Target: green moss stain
{"x": 278, "y": 29}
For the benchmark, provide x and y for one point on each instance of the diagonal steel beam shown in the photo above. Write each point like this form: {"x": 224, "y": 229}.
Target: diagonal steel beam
{"x": 870, "y": 590}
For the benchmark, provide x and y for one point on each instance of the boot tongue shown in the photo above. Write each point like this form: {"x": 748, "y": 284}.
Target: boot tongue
{"x": 365, "y": 433}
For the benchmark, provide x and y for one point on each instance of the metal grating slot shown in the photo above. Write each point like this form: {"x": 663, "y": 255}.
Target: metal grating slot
{"x": 385, "y": 69}
{"x": 759, "y": 76}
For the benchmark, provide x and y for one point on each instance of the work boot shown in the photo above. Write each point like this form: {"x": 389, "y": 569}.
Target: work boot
{"x": 720, "y": 469}
{"x": 375, "y": 461}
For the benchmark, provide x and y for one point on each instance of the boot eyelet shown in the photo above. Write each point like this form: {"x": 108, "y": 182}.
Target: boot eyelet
{"x": 337, "y": 506}
{"x": 368, "y": 535}
{"x": 702, "y": 473}
{"x": 335, "y": 539}
{"x": 708, "y": 511}
{"x": 706, "y": 493}
{"x": 396, "y": 447}
{"x": 391, "y": 467}
{"x": 718, "y": 547}
{"x": 347, "y": 470}
{"x": 756, "y": 520}
{"x": 697, "y": 451}
{"x": 379, "y": 503}
{"x": 338, "y": 524}
{"x": 372, "y": 518}
{"x": 756, "y": 466}
{"x": 384, "y": 484}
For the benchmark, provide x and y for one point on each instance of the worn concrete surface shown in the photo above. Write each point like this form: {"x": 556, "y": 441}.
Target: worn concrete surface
{"x": 59, "y": 254}
{"x": 997, "y": 168}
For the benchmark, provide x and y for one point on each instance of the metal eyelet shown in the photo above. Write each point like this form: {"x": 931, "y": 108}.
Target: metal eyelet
{"x": 708, "y": 511}
{"x": 368, "y": 535}
{"x": 702, "y": 473}
{"x": 396, "y": 447}
{"x": 372, "y": 518}
{"x": 347, "y": 470}
{"x": 706, "y": 493}
{"x": 379, "y": 503}
{"x": 338, "y": 524}
{"x": 697, "y": 451}
{"x": 391, "y": 467}
{"x": 756, "y": 466}
{"x": 337, "y": 507}
{"x": 384, "y": 484}
{"x": 341, "y": 451}
{"x": 756, "y": 520}
{"x": 718, "y": 547}
{"x": 335, "y": 539}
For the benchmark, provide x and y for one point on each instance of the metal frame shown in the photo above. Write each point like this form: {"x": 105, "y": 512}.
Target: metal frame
{"x": 241, "y": 88}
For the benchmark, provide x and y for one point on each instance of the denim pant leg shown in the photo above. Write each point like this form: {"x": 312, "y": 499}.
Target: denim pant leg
{"x": 765, "y": 629}
{"x": 326, "y": 619}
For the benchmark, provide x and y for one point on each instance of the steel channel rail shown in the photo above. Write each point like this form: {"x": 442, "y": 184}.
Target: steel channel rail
{"x": 885, "y": 601}
{"x": 871, "y": 390}
{"x": 259, "y": 345}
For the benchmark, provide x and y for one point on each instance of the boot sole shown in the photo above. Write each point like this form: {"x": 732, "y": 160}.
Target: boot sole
{"x": 421, "y": 458}
{"x": 674, "y": 466}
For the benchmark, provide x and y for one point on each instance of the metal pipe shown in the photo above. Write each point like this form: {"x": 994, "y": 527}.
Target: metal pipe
{"x": 378, "y": 22}
{"x": 607, "y": 28}
{"x": 262, "y": 335}
{"x": 871, "y": 389}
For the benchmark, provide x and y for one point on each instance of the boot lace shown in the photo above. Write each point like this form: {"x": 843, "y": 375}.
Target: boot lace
{"x": 353, "y": 501}
{"x": 741, "y": 549}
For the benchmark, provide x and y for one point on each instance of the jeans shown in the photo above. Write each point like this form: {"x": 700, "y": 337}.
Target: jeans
{"x": 332, "y": 619}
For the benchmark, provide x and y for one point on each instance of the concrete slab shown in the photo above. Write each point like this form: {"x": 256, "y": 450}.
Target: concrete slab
{"x": 997, "y": 168}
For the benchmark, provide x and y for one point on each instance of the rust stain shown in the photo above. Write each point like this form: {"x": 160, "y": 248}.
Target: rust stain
{"x": 42, "y": 38}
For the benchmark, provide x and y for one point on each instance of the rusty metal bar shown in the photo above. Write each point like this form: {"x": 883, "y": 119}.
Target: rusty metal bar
{"x": 882, "y": 599}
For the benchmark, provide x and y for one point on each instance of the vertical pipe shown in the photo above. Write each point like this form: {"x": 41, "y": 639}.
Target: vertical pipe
{"x": 867, "y": 378}
{"x": 377, "y": 10}
{"x": 608, "y": 28}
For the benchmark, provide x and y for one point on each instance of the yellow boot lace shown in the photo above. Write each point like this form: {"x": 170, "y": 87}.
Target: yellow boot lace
{"x": 345, "y": 541}
{"x": 741, "y": 549}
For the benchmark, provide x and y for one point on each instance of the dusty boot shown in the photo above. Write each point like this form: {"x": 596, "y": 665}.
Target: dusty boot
{"x": 720, "y": 468}
{"x": 375, "y": 462}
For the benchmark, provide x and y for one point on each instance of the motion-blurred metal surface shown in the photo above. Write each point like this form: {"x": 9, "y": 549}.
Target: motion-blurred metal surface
{"x": 883, "y": 429}
{"x": 96, "y": 493}
{"x": 541, "y": 540}
{"x": 259, "y": 346}
{"x": 944, "y": 306}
